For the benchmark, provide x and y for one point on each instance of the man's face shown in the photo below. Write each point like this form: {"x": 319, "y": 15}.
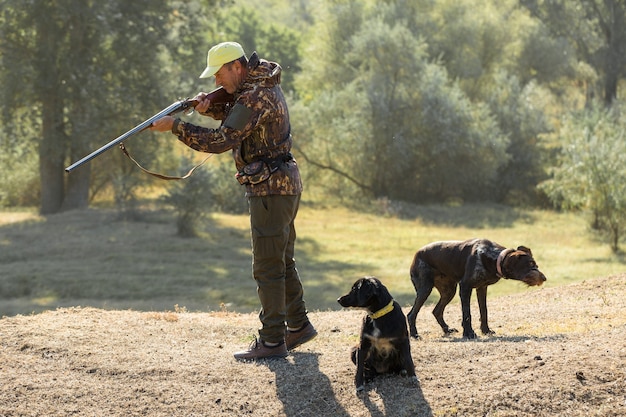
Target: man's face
{"x": 229, "y": 76}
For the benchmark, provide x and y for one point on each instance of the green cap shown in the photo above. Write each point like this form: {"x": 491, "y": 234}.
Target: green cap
{"x": 221, "y": 54}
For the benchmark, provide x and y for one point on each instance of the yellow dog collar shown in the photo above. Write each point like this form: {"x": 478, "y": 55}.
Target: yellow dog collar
{"x": 382, "y": 311}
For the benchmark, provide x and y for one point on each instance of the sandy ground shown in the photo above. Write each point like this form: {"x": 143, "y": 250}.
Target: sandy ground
{"x": 556, "y": 352}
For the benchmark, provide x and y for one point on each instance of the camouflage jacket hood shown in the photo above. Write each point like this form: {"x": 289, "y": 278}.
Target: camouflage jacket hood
{"x": 261, "y": 73}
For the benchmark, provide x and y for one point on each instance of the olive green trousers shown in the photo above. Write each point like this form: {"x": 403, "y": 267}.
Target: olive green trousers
{"x": 273, "y": 265}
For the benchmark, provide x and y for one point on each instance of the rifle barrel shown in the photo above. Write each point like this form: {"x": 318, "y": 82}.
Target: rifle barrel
{"x": 171, "y": 109}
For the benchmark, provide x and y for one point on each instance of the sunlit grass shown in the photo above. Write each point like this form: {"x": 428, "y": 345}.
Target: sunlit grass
{"x": 385, "y": 247}
{"x": 91, "y": 258}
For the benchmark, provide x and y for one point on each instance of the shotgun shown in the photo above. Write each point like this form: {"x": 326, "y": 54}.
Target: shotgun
{"x": 217, "y": 96}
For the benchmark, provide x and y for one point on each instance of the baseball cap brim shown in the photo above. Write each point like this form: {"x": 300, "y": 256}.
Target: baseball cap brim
{"x": 210, "y": 71}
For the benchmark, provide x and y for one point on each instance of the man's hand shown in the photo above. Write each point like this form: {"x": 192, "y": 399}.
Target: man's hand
{"x": 164, "y": 124}
{"x": 203, "y": 103}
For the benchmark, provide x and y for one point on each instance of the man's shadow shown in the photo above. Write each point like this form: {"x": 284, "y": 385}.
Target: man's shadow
{"x": 303, "y": 389}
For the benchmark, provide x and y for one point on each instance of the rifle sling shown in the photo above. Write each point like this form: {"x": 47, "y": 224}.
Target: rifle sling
{"x": 162, "y": 176}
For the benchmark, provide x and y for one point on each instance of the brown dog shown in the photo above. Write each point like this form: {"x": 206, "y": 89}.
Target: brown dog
{"x": 384, "y": 346}
{"x": 475, "y": 263}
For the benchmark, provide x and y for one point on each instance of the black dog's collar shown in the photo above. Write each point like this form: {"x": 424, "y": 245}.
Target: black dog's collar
{"x": 501, "y": 257}
{"x": 387, "y": 309}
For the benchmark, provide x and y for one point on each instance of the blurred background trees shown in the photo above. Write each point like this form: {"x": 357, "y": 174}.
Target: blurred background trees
{"x": 76, "y": 72}
{"x": 419, "y": 101}
{"x": 591, "y": 174}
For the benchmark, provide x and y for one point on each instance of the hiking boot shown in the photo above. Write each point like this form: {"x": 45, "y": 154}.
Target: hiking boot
{"x": 259, "y": 350}
{"x": 295, "y": 338}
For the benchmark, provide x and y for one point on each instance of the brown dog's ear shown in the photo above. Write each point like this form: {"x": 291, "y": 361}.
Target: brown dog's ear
{"x": 525, "y": 249}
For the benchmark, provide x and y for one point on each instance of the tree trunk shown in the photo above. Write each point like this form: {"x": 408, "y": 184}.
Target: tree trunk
{"x": 79, "y": 181}
{"x": 615, "y": 33}
{"x": 77, "y": 190}
{"x": 52, "y": 145}
{"x": 51, "y": 159}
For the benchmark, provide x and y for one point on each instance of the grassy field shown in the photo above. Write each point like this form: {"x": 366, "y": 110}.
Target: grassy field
{"x": 91, "y": 258}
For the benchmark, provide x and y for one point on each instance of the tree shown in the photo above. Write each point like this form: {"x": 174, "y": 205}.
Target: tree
{"x": 91, "y": 70}
{"x": 485, "y": 46}
{"x": 79, "y": 62}
{"x": 591, "y": 174}
{"x": 388, "y": 120}
{"x": 273, "y": 41}
{"x": 597, "y": 31}
{"x": 520, "y": 112}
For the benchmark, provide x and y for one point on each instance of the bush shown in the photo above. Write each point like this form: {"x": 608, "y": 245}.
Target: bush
{"x": 20, "y": 178}
{"x": 191, "y": 199}
{"x": 591, "y": 174}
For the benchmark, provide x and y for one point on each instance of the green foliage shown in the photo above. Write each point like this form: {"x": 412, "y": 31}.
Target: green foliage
{"x": 544, "y": 58}
{"x": 211, "y": 187}
{"x": 326, "y": 43}
{"x": 227, "y": 195}
{"x": 18, "y": 164}
{"x": 591, "y": 174}
{"x": 596, "y": 31}
{"x": 463, "y": 147}
{"x": 415, "y": 100}
{"x": 94, "y": 70}
{"x": 20, "y": 186}
{"x": 520, "y": 112}
{"x": 191, "y": 199}
{"x": 398, "y": 122}
{"x": 272, "y": 40}
{"x": 480, "y": 44}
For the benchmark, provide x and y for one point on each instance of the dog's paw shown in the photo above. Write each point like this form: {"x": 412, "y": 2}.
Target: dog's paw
{"x": 470, "y": 335}
{"x": 412, "y": 379}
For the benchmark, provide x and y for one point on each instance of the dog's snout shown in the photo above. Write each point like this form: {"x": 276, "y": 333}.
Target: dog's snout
{"x": 347, "y": 300}
{"x": 535, "y": 278}
{"x": 341, "y": 301}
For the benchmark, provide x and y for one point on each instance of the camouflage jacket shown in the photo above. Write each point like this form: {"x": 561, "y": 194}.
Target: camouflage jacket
{"x": 264, "y": 136}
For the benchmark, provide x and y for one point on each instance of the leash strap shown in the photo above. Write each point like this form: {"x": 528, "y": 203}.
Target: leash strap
{"x": 162, "y": 176}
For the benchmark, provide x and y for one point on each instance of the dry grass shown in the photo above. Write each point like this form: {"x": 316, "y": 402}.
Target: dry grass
{"x": 557, "y": 352}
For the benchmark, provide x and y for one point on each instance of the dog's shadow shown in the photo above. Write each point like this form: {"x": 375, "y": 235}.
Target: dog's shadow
{"x": 303, "y": 389}
{"x": 393, "y": 395}
{"x": 501, "y": 338}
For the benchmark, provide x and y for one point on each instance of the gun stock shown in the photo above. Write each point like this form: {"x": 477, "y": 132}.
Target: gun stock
{"x": 217, "y": 96}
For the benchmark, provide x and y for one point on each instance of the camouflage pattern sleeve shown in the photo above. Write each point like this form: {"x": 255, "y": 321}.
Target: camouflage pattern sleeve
{"x": 204, "y": 139}
{"x": 217, "y": 111}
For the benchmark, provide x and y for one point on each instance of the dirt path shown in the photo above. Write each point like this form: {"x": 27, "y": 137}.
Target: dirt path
{"x": 557, "y": 352}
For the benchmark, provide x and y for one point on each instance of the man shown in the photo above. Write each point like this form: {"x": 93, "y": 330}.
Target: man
{"x": 256, "y": 129}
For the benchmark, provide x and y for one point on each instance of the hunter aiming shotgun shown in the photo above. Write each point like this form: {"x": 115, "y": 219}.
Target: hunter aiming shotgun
{"x": 219, "y": 95}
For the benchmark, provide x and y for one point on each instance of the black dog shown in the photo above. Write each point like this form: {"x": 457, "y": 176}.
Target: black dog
{"x": 475, "y": 263}
{"x": 384, "y": 346}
